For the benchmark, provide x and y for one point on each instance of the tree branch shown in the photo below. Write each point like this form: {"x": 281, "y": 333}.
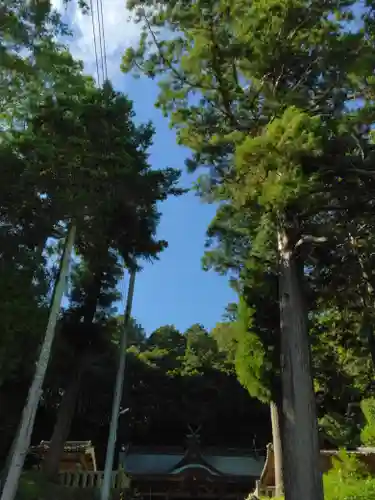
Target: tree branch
{"x": 310, "y": 239}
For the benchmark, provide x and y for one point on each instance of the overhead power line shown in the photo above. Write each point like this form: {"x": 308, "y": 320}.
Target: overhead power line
{"x": 98, "y": 33}
{"x": 100, "y": 39}
{"x": 94, "y": 38}
{"x": 104, "y": 60}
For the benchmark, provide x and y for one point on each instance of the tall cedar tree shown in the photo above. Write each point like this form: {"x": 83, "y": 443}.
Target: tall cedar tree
{"x": 113, "y": 186}
{"x": 32, "y": 66}
{"x": 84, "y": 155}
{"x": 258, "y": 92}
{"x": 341, "y": 361}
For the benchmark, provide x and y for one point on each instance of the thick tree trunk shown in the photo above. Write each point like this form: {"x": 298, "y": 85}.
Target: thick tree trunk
{"x": 63, "y": 424}
{"x": 70, "y": 398}
{"x": 277, "y": 449}
{"x": 302, "y": 475}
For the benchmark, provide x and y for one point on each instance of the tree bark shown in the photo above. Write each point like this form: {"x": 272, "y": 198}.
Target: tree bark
{"x": 63, "y": 423}
{"x": 302, "y": 475}
{"x": 70, "y": 398}
{"x": 277, "y": 449}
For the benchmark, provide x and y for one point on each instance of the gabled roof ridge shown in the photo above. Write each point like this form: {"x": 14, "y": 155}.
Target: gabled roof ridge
{"x": 191, "y": 458}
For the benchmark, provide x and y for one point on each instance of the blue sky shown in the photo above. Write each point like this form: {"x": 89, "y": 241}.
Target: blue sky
{"x": 175, "y": 289}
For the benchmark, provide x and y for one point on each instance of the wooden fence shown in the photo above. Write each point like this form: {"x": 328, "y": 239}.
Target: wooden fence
{"x": 93, "y": 479}
{"x": 268, "y": 491}
{"x": 264, "y": 491}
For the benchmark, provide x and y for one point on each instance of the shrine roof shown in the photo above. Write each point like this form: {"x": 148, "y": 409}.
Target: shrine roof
{"x": 153, "y": 462}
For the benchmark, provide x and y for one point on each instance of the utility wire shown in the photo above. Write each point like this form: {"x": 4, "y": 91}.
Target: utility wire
{"x": 100, "y": 39}
{"x": 94, "y": 37}
{"x": 104, "y": 44}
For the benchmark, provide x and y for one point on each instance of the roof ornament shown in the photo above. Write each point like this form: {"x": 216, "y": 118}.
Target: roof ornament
{"x": 194, "y": 433}
{"x": 193, "y": 440}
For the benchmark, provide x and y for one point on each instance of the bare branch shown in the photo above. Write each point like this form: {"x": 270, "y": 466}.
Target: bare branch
{"x": 167, "y": 63}
{"x": 310, "y": 239}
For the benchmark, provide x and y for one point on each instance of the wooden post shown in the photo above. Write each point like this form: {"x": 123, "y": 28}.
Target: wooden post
{"x": 277, "y": 449}
{"x": 105, "y": 490}
{"x": 21, "y": 444}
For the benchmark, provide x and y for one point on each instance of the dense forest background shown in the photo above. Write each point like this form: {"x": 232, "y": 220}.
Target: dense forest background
{"x": 183, "y": 373}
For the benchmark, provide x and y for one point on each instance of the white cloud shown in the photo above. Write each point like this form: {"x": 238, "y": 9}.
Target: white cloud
{"x": 119, "y": 31}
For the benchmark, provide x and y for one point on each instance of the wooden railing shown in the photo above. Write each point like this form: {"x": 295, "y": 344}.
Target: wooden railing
{"x": 93, "y": 479}
{"x": 264, "y": 491}
{"x": 268, "y": 491}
